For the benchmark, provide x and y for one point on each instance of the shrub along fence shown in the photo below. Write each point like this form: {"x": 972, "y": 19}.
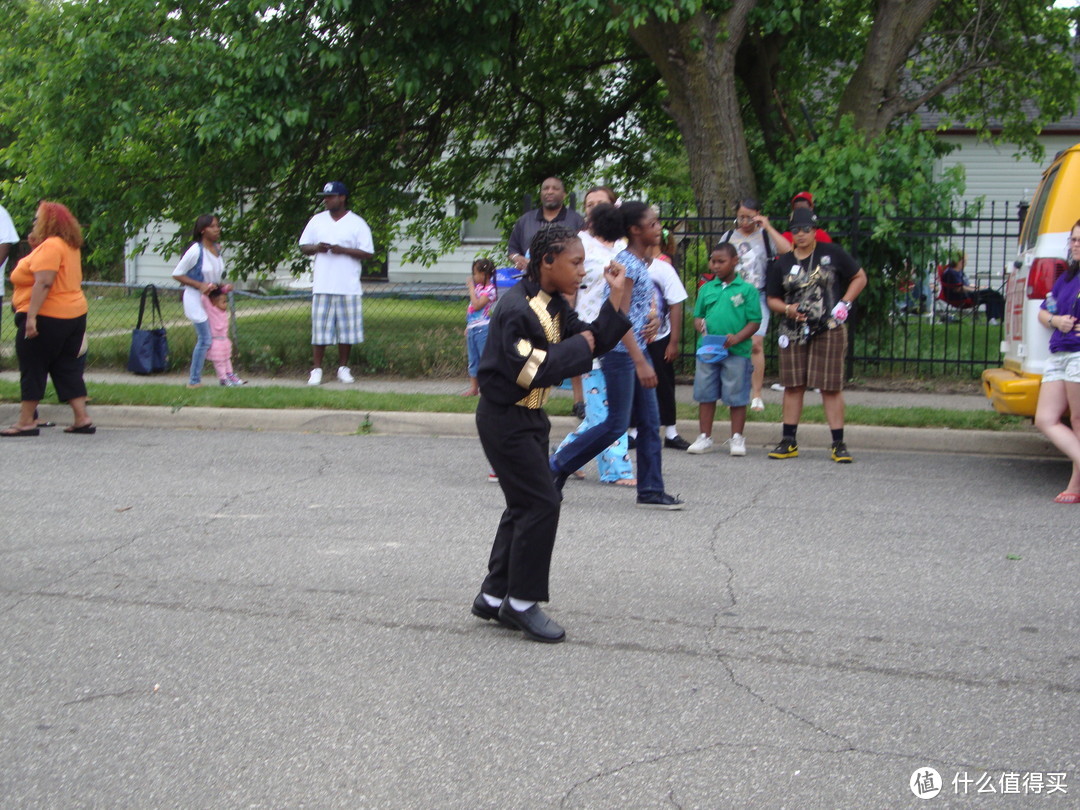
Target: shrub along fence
{"x": 418, "y": 329}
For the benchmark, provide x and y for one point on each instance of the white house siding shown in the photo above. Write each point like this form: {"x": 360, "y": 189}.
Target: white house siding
{"x": 150, "y": 267}
{"x": 994, "y": 174}
{"x": 451, "y": 268}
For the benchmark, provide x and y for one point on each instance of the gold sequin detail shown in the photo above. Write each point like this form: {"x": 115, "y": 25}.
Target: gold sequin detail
{"x": 552, "y": 326}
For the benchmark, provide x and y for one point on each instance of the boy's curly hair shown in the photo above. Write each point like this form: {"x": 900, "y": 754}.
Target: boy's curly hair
{"x": 550, "y": 240}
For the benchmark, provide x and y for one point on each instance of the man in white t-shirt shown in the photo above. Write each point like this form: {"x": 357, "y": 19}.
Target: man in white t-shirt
{"x": 8, "y": 237}
{"x": 339, "y": 241}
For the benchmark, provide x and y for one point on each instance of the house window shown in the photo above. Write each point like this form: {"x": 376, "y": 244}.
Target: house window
{"x": 485, "y": 227}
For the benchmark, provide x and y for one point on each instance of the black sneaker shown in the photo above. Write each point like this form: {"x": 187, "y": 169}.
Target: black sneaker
{"x": 786, "y": 449}
{"x": 578, "y": 410}
{"x": 678, "y": 443}
{"x": 659, "y": 500}
{"x": 631, "y": 442}
{"x": 840, "y": 453}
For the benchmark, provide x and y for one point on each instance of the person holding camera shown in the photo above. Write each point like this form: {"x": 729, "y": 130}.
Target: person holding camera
{"x": 813, "y": 288}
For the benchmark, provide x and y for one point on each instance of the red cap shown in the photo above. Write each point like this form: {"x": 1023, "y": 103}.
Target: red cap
{"x": 803, "y": 195}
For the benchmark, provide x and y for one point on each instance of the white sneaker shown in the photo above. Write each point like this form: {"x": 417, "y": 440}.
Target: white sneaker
{"x": 344, "y": 375}
{"x": 756, "y": 404}
{"x": 315, "y": 377}
{"x": 703, "y": 444}
{"x": 737, "y": 443}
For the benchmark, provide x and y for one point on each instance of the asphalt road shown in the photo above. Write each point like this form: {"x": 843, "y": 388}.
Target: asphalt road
{"x": 245, "y": 619}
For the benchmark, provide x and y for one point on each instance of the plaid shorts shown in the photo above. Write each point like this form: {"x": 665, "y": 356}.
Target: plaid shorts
{"x": 817, "y": 364}
{"x": 336, "y": 319}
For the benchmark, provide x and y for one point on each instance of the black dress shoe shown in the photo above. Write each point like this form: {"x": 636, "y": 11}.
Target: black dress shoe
{"x": 533, "y": 622}
{"x": 481, "y": 608}
{"x": 678, "y": 443}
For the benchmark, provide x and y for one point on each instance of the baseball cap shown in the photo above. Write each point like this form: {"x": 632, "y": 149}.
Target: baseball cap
{"x": 801, "y": 217}
{"x": 712, "y": 348}
{"x": 803, "y": 195}
{"x": 334, "y": 187}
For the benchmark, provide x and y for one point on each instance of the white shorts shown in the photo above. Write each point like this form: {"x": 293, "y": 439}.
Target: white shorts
{"x": 1062, "y": 367}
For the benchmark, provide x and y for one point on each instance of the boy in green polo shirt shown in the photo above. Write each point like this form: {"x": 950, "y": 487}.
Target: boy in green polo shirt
{"x": 729, "y": 306}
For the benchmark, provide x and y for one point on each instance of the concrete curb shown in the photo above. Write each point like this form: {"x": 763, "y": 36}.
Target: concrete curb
{"x": 400, "y": 423}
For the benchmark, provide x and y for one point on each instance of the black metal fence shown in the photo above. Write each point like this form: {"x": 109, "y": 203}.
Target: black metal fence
{"x": 900, "y": 328}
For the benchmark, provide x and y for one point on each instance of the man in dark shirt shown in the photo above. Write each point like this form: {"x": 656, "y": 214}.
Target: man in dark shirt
{"x": 552, "y": 197}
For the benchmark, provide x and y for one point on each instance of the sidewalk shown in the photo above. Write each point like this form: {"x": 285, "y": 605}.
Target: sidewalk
{"x": 759, "y": 435}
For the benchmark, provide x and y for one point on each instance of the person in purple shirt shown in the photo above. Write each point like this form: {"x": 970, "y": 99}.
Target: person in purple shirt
{"x": 1060, "y": 388}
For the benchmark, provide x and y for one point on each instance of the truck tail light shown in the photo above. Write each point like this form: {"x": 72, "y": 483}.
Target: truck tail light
{"x": 1043, "y": 274}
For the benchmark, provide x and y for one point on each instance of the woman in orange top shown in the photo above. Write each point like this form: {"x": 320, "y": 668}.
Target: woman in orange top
{"x": 50, "y": 319}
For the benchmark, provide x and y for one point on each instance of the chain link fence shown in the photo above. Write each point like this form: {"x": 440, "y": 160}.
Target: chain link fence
{"x": 413, "y": 330}
{"x": 417, "y": 330}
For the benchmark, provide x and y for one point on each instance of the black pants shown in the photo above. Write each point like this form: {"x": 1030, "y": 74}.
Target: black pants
{"x": 53, "y": 353}
{"x": 665, "y": 382}
{"x": 995, "y": 302}
{"x": 515, "y": 440}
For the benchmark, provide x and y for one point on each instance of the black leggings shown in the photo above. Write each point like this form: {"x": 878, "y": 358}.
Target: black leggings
{"x": 53, "y": 353}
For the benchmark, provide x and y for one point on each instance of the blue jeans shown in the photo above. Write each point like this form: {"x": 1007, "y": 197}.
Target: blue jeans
{"x": 613, "y": 463}
{"x": 202, "y": 346}
{"x": 475, "y": 340}
{"x": 624, "y": 392}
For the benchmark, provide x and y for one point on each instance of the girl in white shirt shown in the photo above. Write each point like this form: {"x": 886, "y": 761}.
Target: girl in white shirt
{"x": 200, "y": 270}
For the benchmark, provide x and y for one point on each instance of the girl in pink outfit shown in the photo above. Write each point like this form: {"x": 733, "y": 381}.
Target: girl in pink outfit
{"x": 216, "y": 304}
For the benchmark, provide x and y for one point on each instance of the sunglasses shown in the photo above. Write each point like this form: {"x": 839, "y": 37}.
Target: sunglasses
{"x": 803, "y": 229}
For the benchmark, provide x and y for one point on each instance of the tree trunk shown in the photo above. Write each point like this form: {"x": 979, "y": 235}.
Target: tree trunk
{"x": 872, "y": 94}
{"x": 696, "y": 58}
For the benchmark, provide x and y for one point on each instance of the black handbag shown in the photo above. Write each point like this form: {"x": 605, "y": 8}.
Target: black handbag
{"x": 149, "y": 347}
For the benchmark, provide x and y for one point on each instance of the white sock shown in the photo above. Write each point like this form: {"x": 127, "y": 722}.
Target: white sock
{"x": 493, "y": 601}
{"x": 670, "y": 432}
{"x": 520, "y": 605}
{"x": 632, "y": 433}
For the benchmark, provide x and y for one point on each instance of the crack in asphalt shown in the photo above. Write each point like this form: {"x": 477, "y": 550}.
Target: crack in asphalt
{"x": 100, "y": 695}
{"x": 1032, "y": 685}
{"x": 726, "y": 661}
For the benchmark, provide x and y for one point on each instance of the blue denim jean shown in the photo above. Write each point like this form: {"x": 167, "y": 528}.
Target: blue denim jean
{"x": 202, "y": 346}
{"x": 475, "y": 340}
{"x": 624, "y": 392}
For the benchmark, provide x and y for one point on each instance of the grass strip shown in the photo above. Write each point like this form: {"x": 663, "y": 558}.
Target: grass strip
{"x": 292, "y": 397}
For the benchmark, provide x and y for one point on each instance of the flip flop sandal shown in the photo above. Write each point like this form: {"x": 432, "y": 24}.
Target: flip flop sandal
{"x": 1068, "y": 497}
{"x": 87, "y": 429}
{"x": 12, "y": 433}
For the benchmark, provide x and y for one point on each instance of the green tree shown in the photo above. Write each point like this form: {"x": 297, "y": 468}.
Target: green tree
{"x": 137, "y": 110}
